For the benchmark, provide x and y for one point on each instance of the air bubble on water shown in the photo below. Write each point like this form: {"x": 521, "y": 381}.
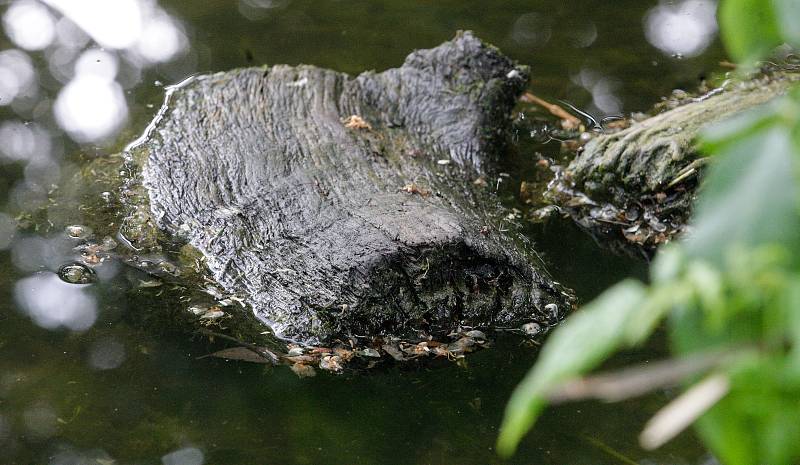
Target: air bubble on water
{"x": 77, "y": 273}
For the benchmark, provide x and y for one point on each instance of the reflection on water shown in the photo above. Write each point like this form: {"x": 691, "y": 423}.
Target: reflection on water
{"x": 185, "y": 456}
{"x": 17, "y": 76}
{"x": 602, "y": 88}
{"x": 85, "y": 44}
{"x": 139, "y": 29}
{"x": 52, "y": 303}
{"x": 106, "y": 354}
{"x": 91, "y": 106}
{"x": 532, "y": 30}
{"x": 7, "y": 230}
{"x": 86, "y": 378}
{"x": 259, "y": 9}
{"x": 29, "y": 24}
{"x": 682, "y": 29}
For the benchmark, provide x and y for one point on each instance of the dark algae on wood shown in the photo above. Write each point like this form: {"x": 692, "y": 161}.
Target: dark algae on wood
{"x": 633, "y": 188}
{"x": 342, "y": 206}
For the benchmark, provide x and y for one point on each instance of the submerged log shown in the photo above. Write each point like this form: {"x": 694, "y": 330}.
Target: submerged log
{"x": 633, "y": 189}
{"x": 351, "y": 206}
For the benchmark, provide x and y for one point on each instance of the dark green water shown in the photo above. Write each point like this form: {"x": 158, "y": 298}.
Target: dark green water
{"x": 86, "y": 381}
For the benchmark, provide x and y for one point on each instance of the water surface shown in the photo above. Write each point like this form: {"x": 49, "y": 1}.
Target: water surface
{"x": 84, "y": 378}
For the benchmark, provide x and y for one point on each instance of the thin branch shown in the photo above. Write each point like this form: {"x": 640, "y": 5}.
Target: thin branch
{"x": 636, "y": 381}
{"x": 684, "y": 410}
{"x": 572, "y": 120}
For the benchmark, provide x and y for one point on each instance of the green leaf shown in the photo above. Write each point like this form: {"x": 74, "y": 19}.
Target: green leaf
{"x": 757, "y": 421}
{"x": 578, "y": 345}
{"x": 791, "y": 307}
{"x": 659, "y": 301}
{"x": 668, "y": 264}
{"x": 708, "y": 288}
{"x": 721, "y": 135}
{"x": 749, "y": 198}
{"x": 749, "y": 29}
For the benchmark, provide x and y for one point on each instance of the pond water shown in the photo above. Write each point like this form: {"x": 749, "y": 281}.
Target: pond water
{"x": 84, "y": 378}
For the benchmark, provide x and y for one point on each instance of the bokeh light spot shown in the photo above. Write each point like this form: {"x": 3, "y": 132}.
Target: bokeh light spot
{"x": 29, "y": 24}
{"x": 52, "y": 303}
{"x": 682, "y": 29}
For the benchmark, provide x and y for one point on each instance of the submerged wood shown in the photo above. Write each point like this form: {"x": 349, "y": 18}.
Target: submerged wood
{"x": 633, "y": 189}
{"x": 342, "y": 206}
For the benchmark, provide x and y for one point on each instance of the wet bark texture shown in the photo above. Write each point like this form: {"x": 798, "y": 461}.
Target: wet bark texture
{"x": 633, "y": 189}
{"x": 331, "y": 226}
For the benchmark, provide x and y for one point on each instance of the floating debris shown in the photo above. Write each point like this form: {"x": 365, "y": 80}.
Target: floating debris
{"x": 295, "y": 351}
{"x": 239, "y": 353}
{"x": 168, "y": 268}
{"x": 528, "y": 192}
{"x": 344, "y": 355}
{"x": 77, "y": 273}
{"x": 369, "y": 352}
{"x": 475, "y": 334}
{"x": 350, "y": 354}
{"x": 108, "y": 244}
{"x": 303, "y": 371}
{"x": 541, "y": 214}
{"x": 552, "y": 310}
{"x": 197, "y": 310}
{"x": 91, "y": 258}
{"x": 462, "y": 346}
{"x": 412, "y": 188}
{"x": 531, "y": 329}
{"x": 77, "y": 231}
{"x": 208, "y": 315}
{"x": 331, "y": 363}
{"x": 568, "y": 121}
{"x": 393, "y": 352}
{"x": 212, "y": 314}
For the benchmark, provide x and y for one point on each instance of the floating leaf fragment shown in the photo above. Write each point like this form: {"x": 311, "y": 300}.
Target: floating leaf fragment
{"x": 304, "y": 371}
{"x": 331, "y": 363}
{"x": 238, "y": 353}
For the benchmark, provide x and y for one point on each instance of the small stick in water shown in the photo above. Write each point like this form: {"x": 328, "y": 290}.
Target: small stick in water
{"x": 571, "y": 122}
